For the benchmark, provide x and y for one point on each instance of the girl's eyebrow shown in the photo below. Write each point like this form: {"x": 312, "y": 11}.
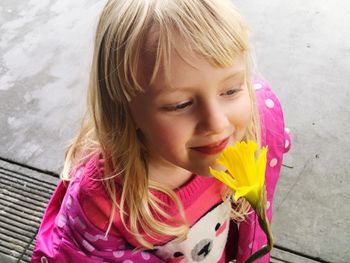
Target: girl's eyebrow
{"x": 235, "y": 74}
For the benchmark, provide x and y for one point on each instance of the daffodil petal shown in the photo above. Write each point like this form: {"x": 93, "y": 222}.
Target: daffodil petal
{"x": 246, "y": 173}
{"x": 249, "y": 161}
{"x": 242, "y": 192}
{"x": 261, "y": 166}
{"x": 253, "y": 196}
{"x": 224, "y": 178}
{"x": 235, "y": 164}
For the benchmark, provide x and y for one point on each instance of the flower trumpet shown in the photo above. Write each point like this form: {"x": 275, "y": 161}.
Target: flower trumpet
{"x": 245, "y": 176}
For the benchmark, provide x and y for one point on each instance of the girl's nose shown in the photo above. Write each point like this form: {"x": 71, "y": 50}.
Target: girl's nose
{"x": 213, "y": 120}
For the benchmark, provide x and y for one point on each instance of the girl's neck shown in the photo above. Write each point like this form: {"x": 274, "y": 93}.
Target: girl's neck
{"x": 167, "y": 174}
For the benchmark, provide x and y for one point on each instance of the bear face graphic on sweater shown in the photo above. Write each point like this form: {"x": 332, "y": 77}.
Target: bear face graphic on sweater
{"x": 205, "y": 242}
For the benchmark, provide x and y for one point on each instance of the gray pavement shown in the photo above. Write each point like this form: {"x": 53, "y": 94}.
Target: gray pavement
{"x": 303, "y": 50}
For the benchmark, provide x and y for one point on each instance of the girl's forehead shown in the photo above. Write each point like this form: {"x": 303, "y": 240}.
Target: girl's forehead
{"x": 183, "y": 65}
{"x": 186, "y": 66}
{"x": 189, "y": 73}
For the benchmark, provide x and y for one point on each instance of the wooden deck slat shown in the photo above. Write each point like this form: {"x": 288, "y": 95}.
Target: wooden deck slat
{"x": 43, "y": 189}
{"x": 24, "y": 194}
{"x": 32, "y": 179}
{"x": 8, "y": 198}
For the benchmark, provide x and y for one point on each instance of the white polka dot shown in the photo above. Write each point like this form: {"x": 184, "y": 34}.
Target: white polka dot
{"x": 286, "y": 144}
{"x": 287, "y": 130}
{"x": 128, "y": 261}
{"x": 250, "y": 245}
{"x": 258, "y": 86}
{"x": 76, "y": 222}
{"x": 273, "y": 162}
{"x": 90, "y": 237}
{"x": 269, "y": 103}
{"x": 69, "y": 202}
{"x": 268, "y": 204}
{"x": 118, "y": 254}
{"x": 44, "y": 260}
{"x": 94, "y": 238}
{"x": 145, "y": 255}
{"x": 88, "y": 246}
{"x": 61, "y": 221}
{"x": 79, "y": 172}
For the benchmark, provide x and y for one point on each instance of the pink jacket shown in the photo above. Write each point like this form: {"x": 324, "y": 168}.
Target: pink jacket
{"x": 277, "y": 137}
{"x": 69, "y": 232}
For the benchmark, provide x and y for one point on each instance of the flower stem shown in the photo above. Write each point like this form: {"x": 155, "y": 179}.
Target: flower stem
{"x": 265, "y": 226}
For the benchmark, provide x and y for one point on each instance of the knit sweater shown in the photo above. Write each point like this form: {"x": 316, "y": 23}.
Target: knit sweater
{"x": 74, "y": 224}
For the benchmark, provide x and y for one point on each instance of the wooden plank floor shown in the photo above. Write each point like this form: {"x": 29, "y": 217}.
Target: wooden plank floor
{"x": 283, "y": 256}
{"x": 24, "y": 193}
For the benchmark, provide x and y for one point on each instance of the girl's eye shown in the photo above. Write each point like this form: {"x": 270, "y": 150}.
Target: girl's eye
{"x": 179, "y": 107}
{"x": 230, "y": 92}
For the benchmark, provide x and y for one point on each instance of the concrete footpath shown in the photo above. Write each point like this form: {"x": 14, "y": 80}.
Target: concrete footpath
{"x": 302, "y": 49}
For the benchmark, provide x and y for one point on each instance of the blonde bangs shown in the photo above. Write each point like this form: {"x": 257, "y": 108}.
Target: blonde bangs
{"x": 212, "y": 29}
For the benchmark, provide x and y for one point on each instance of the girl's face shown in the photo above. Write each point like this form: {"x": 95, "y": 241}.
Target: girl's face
{"x": 187, "y": 124}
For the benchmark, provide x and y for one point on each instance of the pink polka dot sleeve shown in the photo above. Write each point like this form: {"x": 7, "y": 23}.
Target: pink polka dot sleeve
{"x": 277, "y": 138}
{"x": 67, "y": 235}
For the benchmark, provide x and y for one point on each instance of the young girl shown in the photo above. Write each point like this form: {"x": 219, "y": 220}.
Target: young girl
{"x": 171, "y": 86}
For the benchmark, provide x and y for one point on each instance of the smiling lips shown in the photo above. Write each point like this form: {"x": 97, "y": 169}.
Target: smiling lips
{"x": 213, "y": 148}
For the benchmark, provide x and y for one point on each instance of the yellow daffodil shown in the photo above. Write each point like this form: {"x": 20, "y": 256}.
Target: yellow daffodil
{"x": 246, "y": 175}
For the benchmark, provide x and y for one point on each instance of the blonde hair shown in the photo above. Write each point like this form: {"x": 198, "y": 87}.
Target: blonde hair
{"x": 214, "y": 30}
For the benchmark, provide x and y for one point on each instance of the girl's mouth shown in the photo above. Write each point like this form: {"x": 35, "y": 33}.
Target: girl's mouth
{"x": 213, "y": 148}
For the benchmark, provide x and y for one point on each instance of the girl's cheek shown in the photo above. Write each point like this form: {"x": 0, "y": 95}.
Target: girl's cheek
{"x": 241, "y": 111}
{"x": 169, "y": 130}
{"x": 177, "y": 128}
